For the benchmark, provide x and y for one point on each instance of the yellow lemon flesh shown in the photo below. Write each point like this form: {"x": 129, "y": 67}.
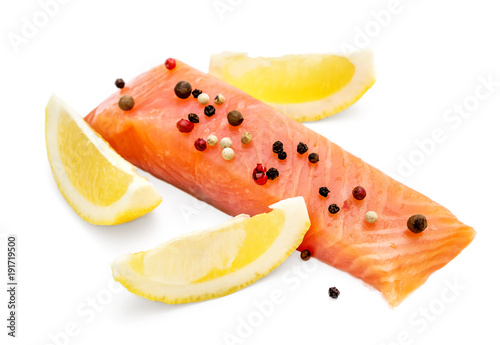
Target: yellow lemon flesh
{"x": 98, "y": 183}
{"x": 304, "y": 87}
{"x": 218, "y": 261}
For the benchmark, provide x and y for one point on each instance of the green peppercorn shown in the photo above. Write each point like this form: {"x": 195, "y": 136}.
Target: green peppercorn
{"x": 193, "y": 118}
{"x": 246, "y": 138}
{"x": 313, "y": 158}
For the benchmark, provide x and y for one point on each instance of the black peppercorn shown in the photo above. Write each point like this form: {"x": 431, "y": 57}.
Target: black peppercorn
{"x": 417, "y": 223}
{"x": 302, "y": 148}
{"x": 272, "y": 173}
{"x": 323, "y": 191}
{"x": 313, "y": 158}
{"x": 235, "y": 118}
{"x": 277, "y": 147}
{"x": 196, "y": 93}
{"x": 333, "y": 292}
{"x": 282, "y": 155}
{"x": 209, "y": 110}
{"x": 333, "y": 208}
{"x": 119, "y": 83}
{"x": 193, "y": 118}
{"x": 182, "y": 89}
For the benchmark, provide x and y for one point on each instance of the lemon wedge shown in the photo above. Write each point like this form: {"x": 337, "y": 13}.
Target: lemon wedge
{"x": 97, "y": 182}
{"x": 304, "y": 87}
{"x": 218, "y": 261}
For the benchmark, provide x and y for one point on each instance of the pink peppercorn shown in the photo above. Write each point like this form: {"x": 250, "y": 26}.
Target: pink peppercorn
{"x": 200, "y": 144}
{"x": 259, "y": 175}
{"x": 170, "y": 63}
{"x": 185, "y": 126}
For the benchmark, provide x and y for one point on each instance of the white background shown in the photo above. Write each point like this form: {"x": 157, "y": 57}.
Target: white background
{"x": 429, "y": 56}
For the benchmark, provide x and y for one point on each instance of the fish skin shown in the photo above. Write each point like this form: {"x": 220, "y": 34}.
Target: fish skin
{"x": 385, "y": 255}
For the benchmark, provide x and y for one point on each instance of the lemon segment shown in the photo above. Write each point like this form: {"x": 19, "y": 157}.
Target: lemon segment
{"x": 98, "y": 183}
{"x": 217, "y": 261}
{"x": 305, "y": 87}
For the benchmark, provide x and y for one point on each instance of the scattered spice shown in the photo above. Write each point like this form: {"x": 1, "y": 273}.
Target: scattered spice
{"x": 193, "y": 118}
{"x": 417, "y": 223}
{"x": 170, "y": 63}
{"x": 228, "y": 153}
{"x": 200, "y": 144}
{"x": 184, "y": 126}
{"x": 226, "y": 142}
{"x": 272, "y": 173}
{"x": 302, "y": 148}
{"x": 196, "y": 93}
{"x": 126, "y": 102}
{"x": 333, "y": 292}
{"x": 305, "y": 255}
{"x": 313, "y": 158}
{"x": 119, "y": 83}
{"x": 282, "y": 155}
{"x": 219, "y": 99}
{"x": 203, "y": 99}
{"x": 359, "y": 193}
{"x": 182, "y": 89}
{"x": 212, "y": 140}
{"x": 277, "y": 147}
{"x": 235, "y": 118}
{"x": 323, "y": 191}
{"x": 209, "y": 110}
{"x": 333, "y": 208}
{"x": 371, "y": 217}
{"x": 259, "y": 175}
{"x": 246, "y": 138}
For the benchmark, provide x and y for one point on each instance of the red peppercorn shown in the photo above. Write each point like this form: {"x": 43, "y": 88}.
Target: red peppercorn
{"x": 359, "y": 193}
{"x": 185, "y": 126}
{"x": 259, "y": 175}
{"x": 200, "y": 144}
{"x": 170, "y": 63}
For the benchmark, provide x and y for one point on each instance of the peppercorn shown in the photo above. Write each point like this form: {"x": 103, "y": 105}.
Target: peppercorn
{"x": 313, "y": 158}
{"x": 417, "y": 223}
{"x": 333, "y": 292}
{"x": 196, "y": 93}
{"x": 119, "y": 83}
{"x": 203, "y": 98}
{"x": 302, "y": 148}
{"x": 333, "y": 208}
{"x": 182, "y": 89}
{"x": 305, "y": 255}
{"x": 200, "y": 144}
{"x": 193, "y": 118}
{"x": 371, "y": 217}
{"x": 228, "y": 153}
{"x": 282, "y": 155}
{"x": 219, "y": 99}
{"x": 170, "y": 63}
{"x": 323, "y": 191}
{"x": 272, "y": 173}
{"x": 212, "y": 140}
{"x": 226, "y": 142}
{"x": 359, "y": 193}
{"x": 184, "y": 126}
{"x": 259, "y": 175}
{"x": 246, "y": 138}
{"x": 209, "y": 110}
{"x": 126, "y": 103}
{"x": 277, "y": 147}
{"x": 235, "y": 118}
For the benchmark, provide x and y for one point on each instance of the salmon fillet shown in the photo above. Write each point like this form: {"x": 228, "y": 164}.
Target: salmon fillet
{"x": 385, "y": 255}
